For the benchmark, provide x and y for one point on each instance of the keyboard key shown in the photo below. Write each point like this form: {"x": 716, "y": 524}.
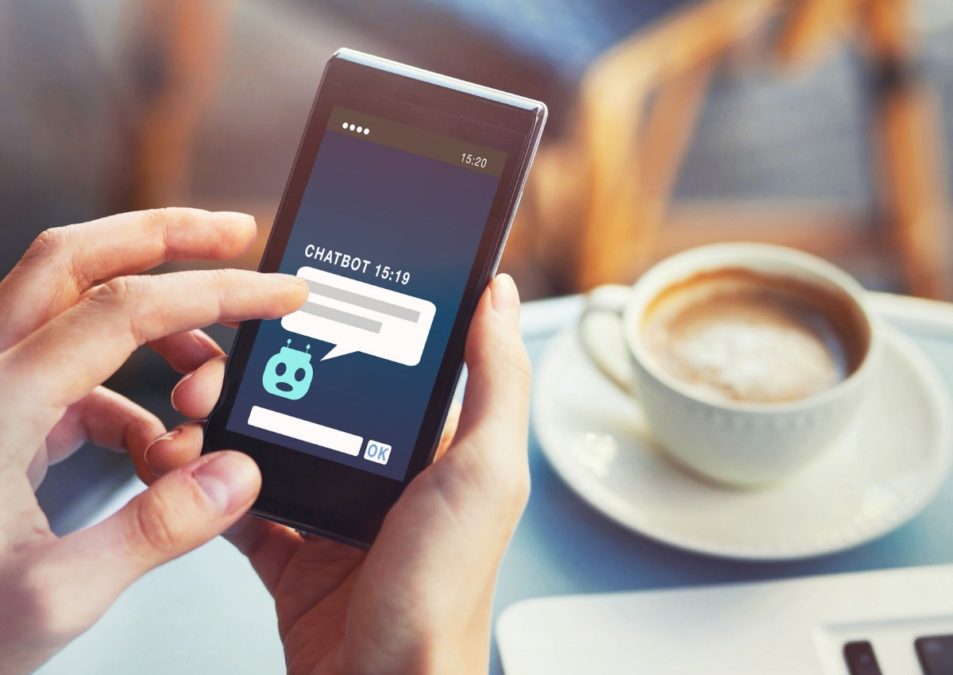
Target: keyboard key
{"x": 936, "y": 654}
{"x": 861, "y": 659}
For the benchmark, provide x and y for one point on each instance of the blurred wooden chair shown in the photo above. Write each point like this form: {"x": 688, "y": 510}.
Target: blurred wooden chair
{"x": 605, "y": 191}
{"x": 176, "y": 48}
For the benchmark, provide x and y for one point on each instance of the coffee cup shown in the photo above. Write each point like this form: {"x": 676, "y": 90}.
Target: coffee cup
{"x": 747, "y": 360}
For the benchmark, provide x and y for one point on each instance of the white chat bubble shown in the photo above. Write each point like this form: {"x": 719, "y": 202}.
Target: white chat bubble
{"x": 358, "y": 317}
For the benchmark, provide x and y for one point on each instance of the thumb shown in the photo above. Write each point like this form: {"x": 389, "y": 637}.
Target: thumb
{"x": 489, "y": 448}
{"x": 81, "y": 574}
{"x": 180, "y": 511}
{"x": 496, "y": 402}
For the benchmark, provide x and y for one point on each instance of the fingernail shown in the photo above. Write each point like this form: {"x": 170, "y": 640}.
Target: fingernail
{"x": 167, "y": 436}
{"x": 229, "y": 480}
{"x": 185, "y": 378}
{"x": 506, "y": 298}
{"x": 207, "y": 343}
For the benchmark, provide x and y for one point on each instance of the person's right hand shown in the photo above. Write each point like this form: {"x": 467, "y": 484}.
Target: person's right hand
{"x": 71, "y": 313}
{"x": 420, "y": 600}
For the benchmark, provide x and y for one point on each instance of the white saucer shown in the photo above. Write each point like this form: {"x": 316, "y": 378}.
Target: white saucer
{"x": 873, "y": 481}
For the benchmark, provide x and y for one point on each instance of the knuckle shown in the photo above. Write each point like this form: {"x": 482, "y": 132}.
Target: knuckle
{"x": 126, "y": 296}
{"x": 157, "y": 219}
{"x": 50, "y": 243}
{"x": 114, "y": 293}
{"x": 518, "y": 363}
{"x": 509, "y": 362}
{"x": 155, "y": 223}
{"x": 152, "y": 528}
{"x": 219, "y": 280}
{"x": 213, "y": 282}
{"x": 58, "y": 248}
{"x": 218, "y": 277}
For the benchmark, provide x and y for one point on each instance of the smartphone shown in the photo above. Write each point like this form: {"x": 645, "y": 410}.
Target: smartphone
{"x": 396, "y": 212}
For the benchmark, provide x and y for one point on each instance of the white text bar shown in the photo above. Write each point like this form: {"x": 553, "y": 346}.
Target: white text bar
{"x": 309, "y": 432}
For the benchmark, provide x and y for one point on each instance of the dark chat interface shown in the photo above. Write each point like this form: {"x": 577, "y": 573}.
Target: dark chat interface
{"x": 386, "y": 236}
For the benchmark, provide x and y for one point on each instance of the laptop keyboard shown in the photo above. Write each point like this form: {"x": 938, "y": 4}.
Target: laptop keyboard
{"x": 935, "y": 653}
{"x": 861, "y": 659}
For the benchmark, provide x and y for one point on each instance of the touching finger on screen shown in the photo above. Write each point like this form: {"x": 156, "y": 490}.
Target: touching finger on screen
{"x": 65, "y": 262}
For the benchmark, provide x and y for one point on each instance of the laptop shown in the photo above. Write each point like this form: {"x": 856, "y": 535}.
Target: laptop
{"x": 895, "y": 622}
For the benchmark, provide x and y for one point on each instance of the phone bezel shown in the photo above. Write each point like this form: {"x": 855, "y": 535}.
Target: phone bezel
{"x": 315, "y": 494}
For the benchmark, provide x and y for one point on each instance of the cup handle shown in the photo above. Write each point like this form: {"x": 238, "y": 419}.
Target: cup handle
{"x": 602, "y": 338}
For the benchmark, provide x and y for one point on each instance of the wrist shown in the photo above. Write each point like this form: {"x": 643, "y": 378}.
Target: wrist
{"x": 435, "y": 653}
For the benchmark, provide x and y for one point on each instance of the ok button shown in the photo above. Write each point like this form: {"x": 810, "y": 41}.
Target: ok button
{"x": 377, "y": 452}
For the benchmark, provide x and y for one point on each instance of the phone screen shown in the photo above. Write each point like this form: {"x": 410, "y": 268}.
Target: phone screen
{"x": 386, "y": 235}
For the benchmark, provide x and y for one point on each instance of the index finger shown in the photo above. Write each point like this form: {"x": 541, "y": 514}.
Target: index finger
{"x": 83, "y": 346}
{"x": 65, "y": 262}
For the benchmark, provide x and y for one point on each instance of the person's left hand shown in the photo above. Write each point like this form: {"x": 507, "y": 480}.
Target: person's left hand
{"x": 70, "y": 315}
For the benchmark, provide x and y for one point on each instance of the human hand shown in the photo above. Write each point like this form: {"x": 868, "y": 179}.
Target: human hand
{"x": 420, "y": 600}
{"x": 70, "y": 315}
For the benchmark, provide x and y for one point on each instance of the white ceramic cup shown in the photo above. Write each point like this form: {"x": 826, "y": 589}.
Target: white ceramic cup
{"x": 734, "y": 442}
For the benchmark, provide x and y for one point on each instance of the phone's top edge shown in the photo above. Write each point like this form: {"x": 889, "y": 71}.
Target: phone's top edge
{"x": 430, "y": 77}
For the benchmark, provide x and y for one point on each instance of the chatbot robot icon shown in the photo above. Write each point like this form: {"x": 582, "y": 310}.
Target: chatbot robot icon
{"x": 288, "y": 373}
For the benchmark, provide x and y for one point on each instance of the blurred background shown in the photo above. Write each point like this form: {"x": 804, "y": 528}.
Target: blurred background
{"x": 821, "y": 124}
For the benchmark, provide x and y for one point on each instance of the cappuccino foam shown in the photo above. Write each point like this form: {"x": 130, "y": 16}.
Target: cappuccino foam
{"x": 747, "y": 337}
